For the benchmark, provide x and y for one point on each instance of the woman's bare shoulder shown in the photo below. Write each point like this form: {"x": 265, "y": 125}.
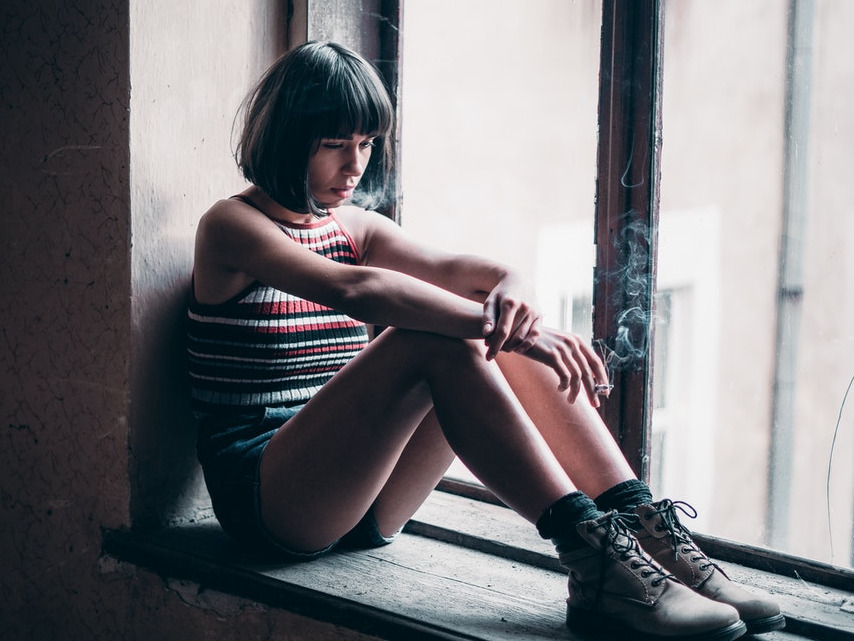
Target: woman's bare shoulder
{"x": 351, "y": 215}
{"x": 359, "y": 223}
{"x": 231, "y": 216}
{"x": 227, "y": 209}
{"x": 365, "y": 221}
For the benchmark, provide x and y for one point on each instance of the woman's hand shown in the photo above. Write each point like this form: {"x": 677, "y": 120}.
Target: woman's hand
{"x": 510, "y": 322}
{"x": 574, "y": 361}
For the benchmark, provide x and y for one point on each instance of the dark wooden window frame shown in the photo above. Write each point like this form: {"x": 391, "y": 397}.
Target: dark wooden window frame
{"x": 625, "y": 230}
{"x": 627, "y": 196}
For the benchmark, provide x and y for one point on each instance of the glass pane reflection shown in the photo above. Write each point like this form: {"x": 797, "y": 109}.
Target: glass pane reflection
{"x": 499, "y": 104}
{"x": 755, "y": 348}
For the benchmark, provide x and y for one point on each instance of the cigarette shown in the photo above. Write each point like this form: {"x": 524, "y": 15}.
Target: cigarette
{"x": 602, "y": 389}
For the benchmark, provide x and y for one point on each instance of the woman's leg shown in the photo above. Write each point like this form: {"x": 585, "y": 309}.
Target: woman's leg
{"x": 575, "y": 432}
{"x": 351, "y": 445}
{"x": 424, "y": 461}
{"x": 323, "y": 471}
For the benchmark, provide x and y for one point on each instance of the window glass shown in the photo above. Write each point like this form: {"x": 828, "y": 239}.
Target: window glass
{"x": 499, "y": 121}
{"x": 754, "y": 346}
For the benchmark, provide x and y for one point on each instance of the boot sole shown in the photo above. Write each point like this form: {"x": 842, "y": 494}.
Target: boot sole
{"x": 768, "y": 624}
{"x": 591, "y": 622}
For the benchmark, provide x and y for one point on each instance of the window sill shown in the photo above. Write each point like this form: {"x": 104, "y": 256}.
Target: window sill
{"x": 432, "y": 589}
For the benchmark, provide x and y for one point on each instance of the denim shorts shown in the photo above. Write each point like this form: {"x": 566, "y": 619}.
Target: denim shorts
{"x": 229, "y": 448}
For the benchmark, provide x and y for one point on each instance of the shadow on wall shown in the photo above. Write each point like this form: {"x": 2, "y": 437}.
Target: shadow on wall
{"x": 165, "y": 477}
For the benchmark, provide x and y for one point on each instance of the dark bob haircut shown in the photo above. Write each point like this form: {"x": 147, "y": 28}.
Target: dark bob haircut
{"x": 318, "y": 90}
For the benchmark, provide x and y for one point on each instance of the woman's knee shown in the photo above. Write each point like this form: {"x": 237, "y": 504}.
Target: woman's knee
{"x": 430, "y": 349}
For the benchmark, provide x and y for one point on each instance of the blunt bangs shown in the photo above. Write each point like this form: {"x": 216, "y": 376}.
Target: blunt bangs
{"x": 356, "y": 102}
{"x": 318, "y": 90}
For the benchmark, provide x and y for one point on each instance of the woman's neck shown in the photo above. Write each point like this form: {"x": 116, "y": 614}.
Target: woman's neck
{"x": 274, "y": 210}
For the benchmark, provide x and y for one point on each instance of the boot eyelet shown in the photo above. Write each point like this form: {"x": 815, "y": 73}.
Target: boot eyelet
{"x": 635, "y": 565}
{"x": 659, "y": 528}
{"x": 646, "y": 573}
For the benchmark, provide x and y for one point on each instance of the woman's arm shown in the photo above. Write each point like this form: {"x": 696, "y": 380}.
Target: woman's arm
{"x": 384, "y": 243}
{"x": 509, "y": 314}
{"x": 506, "y": 297}
{"x": 237, "y": 245}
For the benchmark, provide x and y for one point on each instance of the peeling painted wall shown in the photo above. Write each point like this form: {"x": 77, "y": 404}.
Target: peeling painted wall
{"x": 114, "y": 124}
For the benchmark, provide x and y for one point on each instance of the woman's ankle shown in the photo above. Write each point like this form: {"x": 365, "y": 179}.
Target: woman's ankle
{"x": 559, "y": 522}
{"x": 624, "y": 496}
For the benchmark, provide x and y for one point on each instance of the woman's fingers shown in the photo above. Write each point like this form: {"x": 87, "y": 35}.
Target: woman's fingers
{"x": 599, "y": 375}
{"x": 513, "y": 324}
{"x": 524, "y": 334}
{"x": 530, "y": 339}
{"x": 592, "y": 371}
{"x": 576, "y": 364}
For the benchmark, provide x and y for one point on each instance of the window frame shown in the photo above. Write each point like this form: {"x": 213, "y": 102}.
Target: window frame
{"x": 627, "y": 188}
{"x": 627, "y": 198}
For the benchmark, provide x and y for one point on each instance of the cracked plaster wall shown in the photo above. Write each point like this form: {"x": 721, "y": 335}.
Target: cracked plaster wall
{"x": 64, "y": 304}
{"x": 114, "y": 124}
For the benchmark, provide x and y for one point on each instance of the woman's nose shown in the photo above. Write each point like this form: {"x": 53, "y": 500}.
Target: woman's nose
{"x": 354, "y": 163}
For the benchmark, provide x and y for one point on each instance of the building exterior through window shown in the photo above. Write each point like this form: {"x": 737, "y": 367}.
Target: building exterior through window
{"x": 753, "y": 350}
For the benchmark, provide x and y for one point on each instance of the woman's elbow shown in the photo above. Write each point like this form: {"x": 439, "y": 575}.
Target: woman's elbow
{"x": 358, "y": 298}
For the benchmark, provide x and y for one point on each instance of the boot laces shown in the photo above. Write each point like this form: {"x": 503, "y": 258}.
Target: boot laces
{"x": 621, "y": 538}
{"x": 680, "y": 536}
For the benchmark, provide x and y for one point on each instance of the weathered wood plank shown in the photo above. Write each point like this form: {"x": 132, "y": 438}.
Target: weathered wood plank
{"x": 425, "y": 589}
{"x": 814, "y": 605}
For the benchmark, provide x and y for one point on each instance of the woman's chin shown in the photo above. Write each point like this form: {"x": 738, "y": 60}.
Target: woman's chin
{"x": 332, "y": 203}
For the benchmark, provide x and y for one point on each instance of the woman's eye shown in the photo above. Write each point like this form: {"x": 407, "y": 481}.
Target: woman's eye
{"x": 341, "y": 144}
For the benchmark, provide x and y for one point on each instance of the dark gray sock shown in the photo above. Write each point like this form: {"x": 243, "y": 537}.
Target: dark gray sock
{"x": 624, "y": 497}
{"x": 559, "y": 521}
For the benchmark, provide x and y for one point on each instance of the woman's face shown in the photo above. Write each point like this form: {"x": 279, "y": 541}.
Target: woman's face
{"x": 336, "y": 167}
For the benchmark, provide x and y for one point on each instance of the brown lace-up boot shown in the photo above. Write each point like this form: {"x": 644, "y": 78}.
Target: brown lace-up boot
{"x": 663, "y": 537}
{"x": 615, "y": 587}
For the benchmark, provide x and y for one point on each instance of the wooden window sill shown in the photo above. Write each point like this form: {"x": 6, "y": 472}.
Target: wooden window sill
{"x": 432, "y": 584}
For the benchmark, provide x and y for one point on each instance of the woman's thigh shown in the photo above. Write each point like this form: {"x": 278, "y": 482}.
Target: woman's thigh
{"x": 419, "y": 469}
{"x": 323, "y": 470}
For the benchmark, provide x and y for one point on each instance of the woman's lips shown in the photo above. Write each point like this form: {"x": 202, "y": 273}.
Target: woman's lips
{"x": 343, "y": 193}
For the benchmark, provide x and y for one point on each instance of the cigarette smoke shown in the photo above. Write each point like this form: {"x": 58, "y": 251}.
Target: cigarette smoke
{"x": 629, "y": 346}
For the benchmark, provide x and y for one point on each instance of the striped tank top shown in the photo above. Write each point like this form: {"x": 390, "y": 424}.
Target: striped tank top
{"x": 265, "y": 347}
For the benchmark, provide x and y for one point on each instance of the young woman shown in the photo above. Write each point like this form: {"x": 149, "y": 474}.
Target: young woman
{"x": 312, "y": 436}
